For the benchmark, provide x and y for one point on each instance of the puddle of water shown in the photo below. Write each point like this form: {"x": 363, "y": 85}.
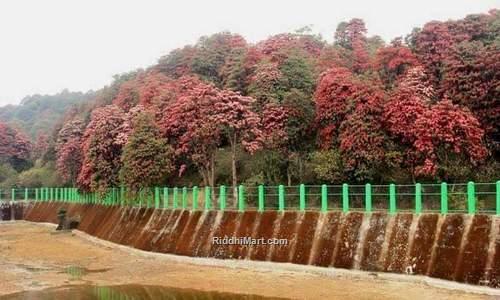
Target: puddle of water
{"x": 129, "y": 292}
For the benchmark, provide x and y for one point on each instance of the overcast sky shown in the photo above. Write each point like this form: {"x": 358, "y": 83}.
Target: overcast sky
{"x": 49, "y": 45}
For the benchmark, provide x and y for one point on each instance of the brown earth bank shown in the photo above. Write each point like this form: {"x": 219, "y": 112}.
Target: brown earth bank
{"x": 456, "y": 247}
{"x": 33, "y": 256}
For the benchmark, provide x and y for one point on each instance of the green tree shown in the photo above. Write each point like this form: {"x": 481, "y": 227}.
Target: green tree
{"x": 146, "y": 158}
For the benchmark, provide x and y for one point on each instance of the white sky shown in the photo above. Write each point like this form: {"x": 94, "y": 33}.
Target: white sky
{"x": 49, "y": 45}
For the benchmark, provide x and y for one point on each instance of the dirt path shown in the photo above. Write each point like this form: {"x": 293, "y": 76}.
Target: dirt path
{"x": 32, "y": 256}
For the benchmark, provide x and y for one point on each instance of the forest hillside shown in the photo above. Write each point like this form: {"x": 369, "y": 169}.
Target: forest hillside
{"x": 289, "y": 109}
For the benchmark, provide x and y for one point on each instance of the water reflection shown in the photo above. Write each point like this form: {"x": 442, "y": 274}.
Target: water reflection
{"x": 125, "y": 292}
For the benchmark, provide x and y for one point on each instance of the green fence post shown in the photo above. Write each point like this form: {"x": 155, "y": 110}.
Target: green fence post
{"x": 368, "y": 197}
{"x": 51, "y": 194}
{"x": 471, "y": 198}
{"x": 25, "y": 194}
{"x": 281, "y": 197}
{"x": 324, "y": 198}
{"x": 208, "y": 198}
{"x": 241, "y": 198}
{"x": 261, "y": 198}
{"x": 195, "y": 197}
{"x": 418, "y": 198}
{"x": 175, "y": 197}
{"x": 222, "y": 197}
{"x": 165, "y": 197}
{"x": 184, "y": 197}
{"x": 36, "y": 194}
{"x": 122, "y": 195}
{"x": 345, "y": 197}
{"x": 498, "y": 197}
{"x": 157, "y": 197}
{"x": 13, "y": 194}
{"x": 444, "y": 198}
{"x": 302, "y": 197}
{"x": 392, "y": 198}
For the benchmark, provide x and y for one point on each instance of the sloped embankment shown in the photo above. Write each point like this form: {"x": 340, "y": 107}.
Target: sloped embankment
{"x": 456, "y": 247}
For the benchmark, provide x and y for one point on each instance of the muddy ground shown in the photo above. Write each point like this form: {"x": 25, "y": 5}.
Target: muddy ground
{"x": 33, "y": 256}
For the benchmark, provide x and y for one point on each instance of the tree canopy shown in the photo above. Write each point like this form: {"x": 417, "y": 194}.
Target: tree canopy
{"x": 291, "y": 108}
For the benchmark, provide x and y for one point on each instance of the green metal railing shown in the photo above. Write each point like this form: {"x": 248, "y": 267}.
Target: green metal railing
{"x": 442, "y": 197}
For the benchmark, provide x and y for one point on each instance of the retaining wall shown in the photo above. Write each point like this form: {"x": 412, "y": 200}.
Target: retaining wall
{"x": 459, "y": 247}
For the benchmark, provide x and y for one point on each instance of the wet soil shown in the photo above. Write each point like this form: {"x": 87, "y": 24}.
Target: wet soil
{"x": 33, "y": 257}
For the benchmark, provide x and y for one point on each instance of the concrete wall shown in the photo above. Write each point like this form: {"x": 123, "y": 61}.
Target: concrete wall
{"x": 455, "y": 247}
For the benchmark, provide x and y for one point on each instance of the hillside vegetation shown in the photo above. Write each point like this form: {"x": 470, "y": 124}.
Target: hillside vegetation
{"x": 291, "y": 109}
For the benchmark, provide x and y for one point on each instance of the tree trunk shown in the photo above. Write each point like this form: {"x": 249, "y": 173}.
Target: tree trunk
{"x": 203, "y": 173}
{"x": 233, "y": 165}
{"x": 289, "y": 175}
{"x": 301, "y": 167}
{"x": 212, "y": 175}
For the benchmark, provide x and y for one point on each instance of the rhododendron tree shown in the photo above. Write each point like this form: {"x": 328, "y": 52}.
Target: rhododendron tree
{"x": 393, "y": 61}
{"x": 69, "y": 150}
{"x": 265, "y": 84}
{"x": 41, "y": 146}
{"x": 432, "y": 45}
{"x": 431, "y": 131}
{"x": 362, "y": 138}
{"x": 332, "y": 95}
{"x": 472, "y": 79}
{"x": 233, "y": 116}
{"x": 102, "y": 149}
{"x": 187, "y": 126}
{"x": 127, "y": 95}
{"x": 276, "y": 48}
{"x": 14, "y": 146}
{"x": 447, "y": 129}
{"x": 349, "y": 114}
{"x": 351, "y": 36}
